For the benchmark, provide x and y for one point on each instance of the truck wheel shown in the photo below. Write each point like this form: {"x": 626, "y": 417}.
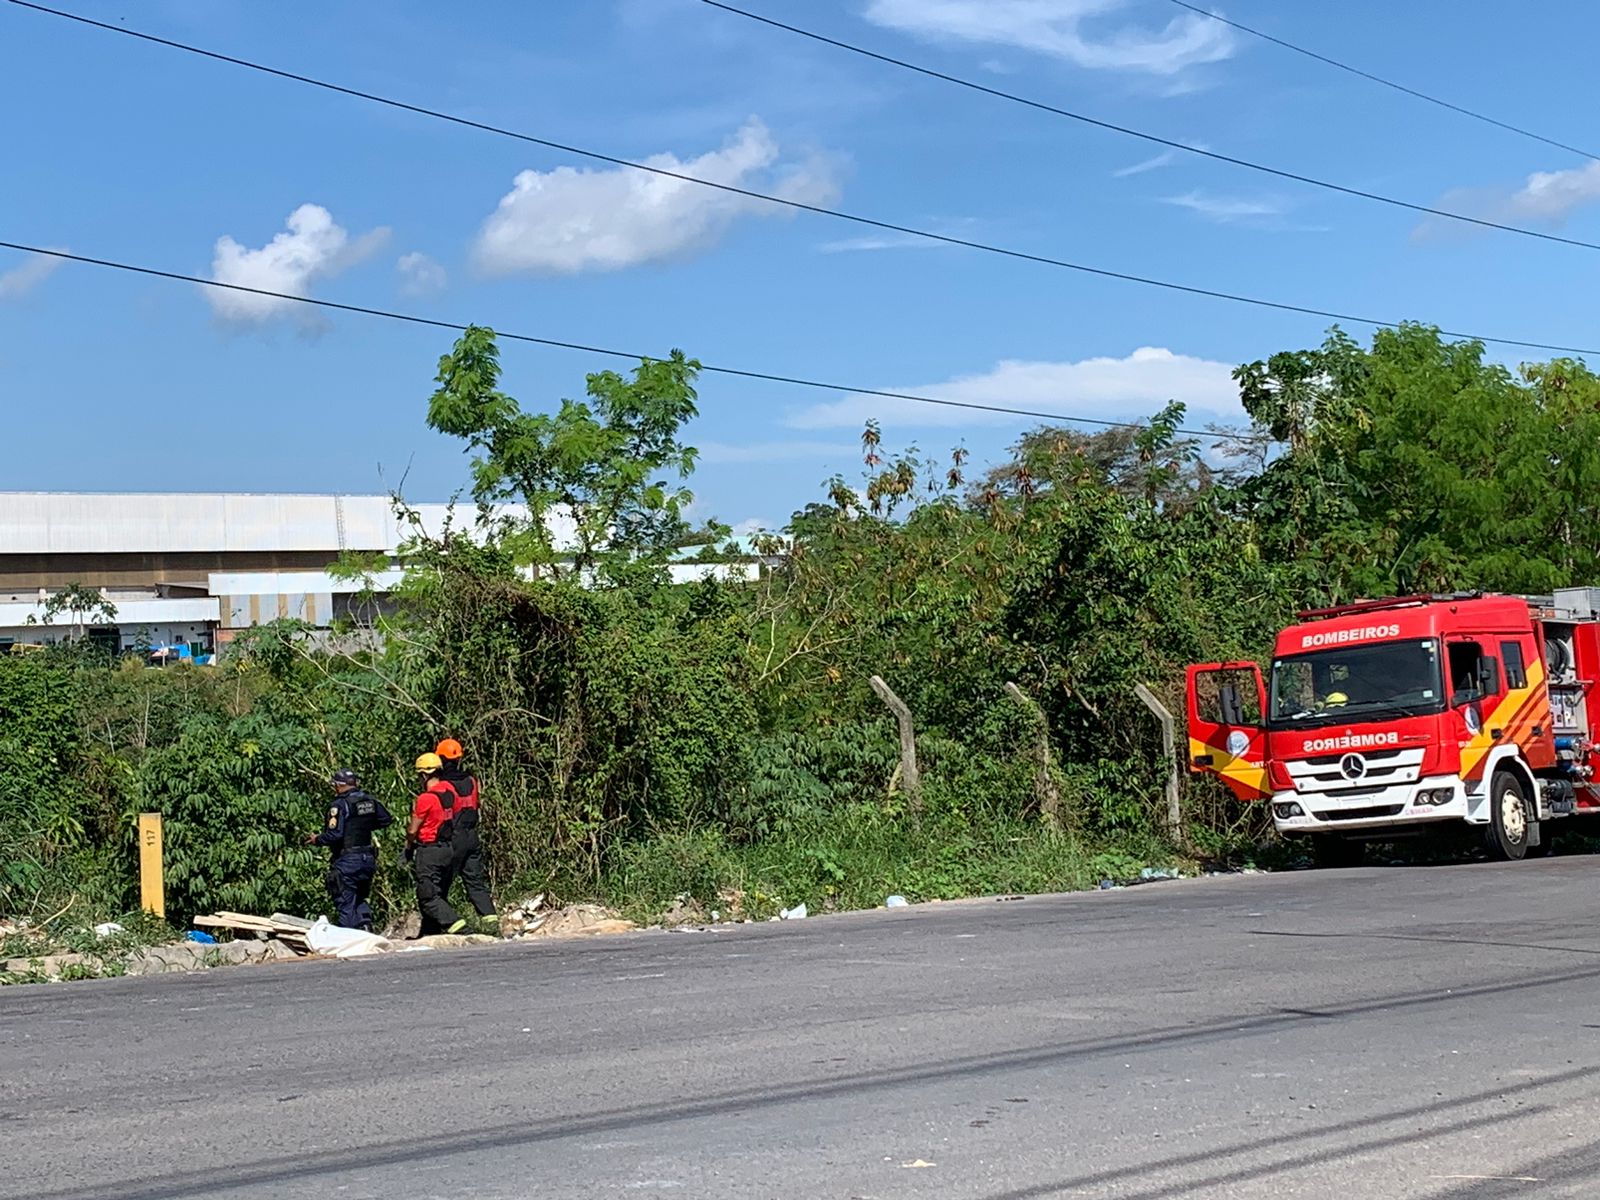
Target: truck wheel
{"x": 1329, "y": 851}
{"x": 1506, "y": 835}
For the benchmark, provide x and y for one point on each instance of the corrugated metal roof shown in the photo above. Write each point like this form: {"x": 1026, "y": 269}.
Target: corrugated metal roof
{"x": 132, "y": 612}
{"x": 284, "y": 583}
{"x": 180, "y": 522}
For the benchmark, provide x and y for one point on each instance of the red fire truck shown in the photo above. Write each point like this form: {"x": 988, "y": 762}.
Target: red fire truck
{"x": 1388, "y": 718}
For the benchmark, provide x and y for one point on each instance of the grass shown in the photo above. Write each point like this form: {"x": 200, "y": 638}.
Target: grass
{"x": 856, "y": 858}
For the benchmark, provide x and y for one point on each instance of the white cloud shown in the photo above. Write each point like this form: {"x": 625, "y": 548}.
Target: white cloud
{"x": 567, "y": 220}
{"x": 1163, "y": 159}
{"x": 419, "y": 274}
{"x": 1057, "y": 28}
{"x": 1227, "y": 210}
{"x": 751, "y": 526}
{"x": 22, "y": 279}
{"x": 313, "y": 247}
{"x": 884, "y": 241}
{"x": 1553, "y": 196}
{"x": 1109, "y": 389}
{"x": 1543, "y": 198}
{"x": 770, "y": 452}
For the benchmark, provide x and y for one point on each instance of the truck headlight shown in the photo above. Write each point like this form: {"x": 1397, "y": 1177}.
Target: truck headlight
{"x": 1433, "y": 797}
{"x": 1286, "y": 810}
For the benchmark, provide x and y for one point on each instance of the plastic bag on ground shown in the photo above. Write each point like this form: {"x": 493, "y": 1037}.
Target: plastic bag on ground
{"x": 793, "y": 914}
{"x": 335, "y": 940}
{"x": 897, "y": 902}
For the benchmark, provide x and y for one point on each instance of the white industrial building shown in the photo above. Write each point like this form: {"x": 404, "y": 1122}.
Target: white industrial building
{"x": 194, "y": 568}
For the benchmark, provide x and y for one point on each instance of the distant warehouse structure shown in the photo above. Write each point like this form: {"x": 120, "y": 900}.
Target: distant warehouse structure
{"x": 193, "y": 569}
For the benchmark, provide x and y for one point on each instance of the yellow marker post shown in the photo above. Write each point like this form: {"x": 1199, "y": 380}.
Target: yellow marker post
{"x": 152, "y": 888}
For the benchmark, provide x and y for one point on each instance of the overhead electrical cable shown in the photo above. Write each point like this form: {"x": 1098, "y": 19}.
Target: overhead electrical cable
{"x": 555, "y": 343}
{"x": 1151, "y": 138}
{"x": 765, "y": 197}
{"x": 1388, "y": 83}
{"x": 733, "y": 372}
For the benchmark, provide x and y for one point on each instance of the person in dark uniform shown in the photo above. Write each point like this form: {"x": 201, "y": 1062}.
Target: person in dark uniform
{"x": 353, "y": 818}
{"x": 468, "y": 865}
{"x": 428, "y": 846}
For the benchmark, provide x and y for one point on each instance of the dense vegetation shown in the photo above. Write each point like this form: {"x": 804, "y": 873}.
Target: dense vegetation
{"x": 638, "y": 740}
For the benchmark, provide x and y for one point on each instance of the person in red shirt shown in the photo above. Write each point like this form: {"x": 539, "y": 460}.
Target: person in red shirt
{"x": 468, "y": 866}
{"x": 428, "y": 846}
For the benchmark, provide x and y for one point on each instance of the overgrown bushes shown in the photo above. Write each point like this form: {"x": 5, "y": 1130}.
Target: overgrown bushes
{"x": 640, "y": 741}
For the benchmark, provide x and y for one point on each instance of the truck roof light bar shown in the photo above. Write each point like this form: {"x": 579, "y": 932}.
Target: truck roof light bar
{"x": 1362, "y": 606}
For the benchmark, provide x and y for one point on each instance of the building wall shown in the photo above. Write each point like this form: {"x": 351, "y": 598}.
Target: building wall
{"x": 28, "y": 572}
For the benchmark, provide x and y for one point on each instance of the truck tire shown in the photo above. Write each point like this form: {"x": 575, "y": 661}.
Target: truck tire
{"x": 1506, "y": 834}
{"x": 1329, "y": 851}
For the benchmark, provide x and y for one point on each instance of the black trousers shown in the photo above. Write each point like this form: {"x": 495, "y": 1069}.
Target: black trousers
{"x": 433, "y": 868}
{"x": 468, "y": 866}
{"x": 349, "y": 883}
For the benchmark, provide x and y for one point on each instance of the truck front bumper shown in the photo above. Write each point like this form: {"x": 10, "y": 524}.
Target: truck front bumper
{"x": 1434, "y": 798}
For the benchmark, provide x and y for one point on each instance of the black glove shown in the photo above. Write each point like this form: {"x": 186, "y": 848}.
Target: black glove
{"x": 408, "y": 853}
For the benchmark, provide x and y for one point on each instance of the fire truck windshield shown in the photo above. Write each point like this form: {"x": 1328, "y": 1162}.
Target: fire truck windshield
{"x": 1363, "y": 682}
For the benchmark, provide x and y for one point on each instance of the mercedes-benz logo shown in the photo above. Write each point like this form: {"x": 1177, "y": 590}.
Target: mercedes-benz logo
{"x": 1352, "y": 767}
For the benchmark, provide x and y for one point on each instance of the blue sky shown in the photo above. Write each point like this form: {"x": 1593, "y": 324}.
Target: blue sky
{"x": 134, "y": 152}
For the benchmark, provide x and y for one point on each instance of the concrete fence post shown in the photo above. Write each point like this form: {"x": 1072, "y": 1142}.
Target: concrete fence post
{"x": 910, "y": 778}
{"x": 1044, "y": 780}
{"x": 1169, "y": 748}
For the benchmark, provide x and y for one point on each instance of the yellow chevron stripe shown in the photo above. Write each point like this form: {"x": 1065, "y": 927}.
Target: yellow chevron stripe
{"x": 1251, "y": 777}
{"x": 1502, "y": 718}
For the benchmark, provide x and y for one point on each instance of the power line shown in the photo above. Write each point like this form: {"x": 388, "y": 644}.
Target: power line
{"x": 1388, "y": 83}
{"x": 748, "y": 193}
{"x": 1151, "y": 138}
{"x": 455, "y": 327}
{"x": 946, "y": 239}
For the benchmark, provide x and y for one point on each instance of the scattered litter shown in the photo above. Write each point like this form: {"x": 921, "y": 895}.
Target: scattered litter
{"x": 339, "y": 942}
{"x": 574, "y": 920}
{"x": 1107, "y": 886}
{"x": 454, "y": 941}
{"x": 204, "y": 939}
{"x": 289, "y": 930}
{"x": 897, "y": 902}
{"x": 685, "y": 910}
{"x": 108, "y": 929}
{"x": 796, "y": 913}
{"x": 1153, "y": 873}
{"x": 918, "y": 1164}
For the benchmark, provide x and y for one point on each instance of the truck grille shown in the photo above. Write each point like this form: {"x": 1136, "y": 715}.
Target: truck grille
{"x": 1361, "y": 814}
{"x": 1384, "y": 768}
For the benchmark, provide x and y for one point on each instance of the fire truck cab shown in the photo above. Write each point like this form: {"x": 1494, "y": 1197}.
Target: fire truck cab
{"x": 1391, "y": 718}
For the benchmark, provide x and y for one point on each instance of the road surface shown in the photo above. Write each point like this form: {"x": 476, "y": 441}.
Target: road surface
{"x": 1417, "y": 1032}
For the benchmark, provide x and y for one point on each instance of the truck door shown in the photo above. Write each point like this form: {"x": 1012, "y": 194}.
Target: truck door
{"x": 1227, "y": 732}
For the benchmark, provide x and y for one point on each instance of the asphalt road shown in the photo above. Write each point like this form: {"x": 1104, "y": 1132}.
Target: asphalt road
{"x": 1418, "y": 1032}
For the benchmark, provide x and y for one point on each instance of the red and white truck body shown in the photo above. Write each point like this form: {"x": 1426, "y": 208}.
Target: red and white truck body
{"x": 1390, "y": 717}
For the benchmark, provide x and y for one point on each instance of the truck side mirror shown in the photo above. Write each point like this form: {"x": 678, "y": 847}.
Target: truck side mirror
{"x": 1229, "y": 705}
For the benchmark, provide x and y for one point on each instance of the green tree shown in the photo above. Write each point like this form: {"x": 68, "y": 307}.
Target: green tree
{"x": 83, "y": 605}
{"x": 613, "y": 463}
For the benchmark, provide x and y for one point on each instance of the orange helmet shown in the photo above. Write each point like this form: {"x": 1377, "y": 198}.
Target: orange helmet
{"x": 449, "y": 748}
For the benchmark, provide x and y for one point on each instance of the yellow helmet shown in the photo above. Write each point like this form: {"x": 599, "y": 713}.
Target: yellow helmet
{"x": 1335, "y": 699}
{"x": 428, "y": 762}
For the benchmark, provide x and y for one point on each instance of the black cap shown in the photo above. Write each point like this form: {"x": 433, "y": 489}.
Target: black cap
{"x": 345, "y": 775}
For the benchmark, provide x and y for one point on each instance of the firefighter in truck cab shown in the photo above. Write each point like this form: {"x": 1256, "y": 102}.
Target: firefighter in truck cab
{"x": 1399, "y": 718}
